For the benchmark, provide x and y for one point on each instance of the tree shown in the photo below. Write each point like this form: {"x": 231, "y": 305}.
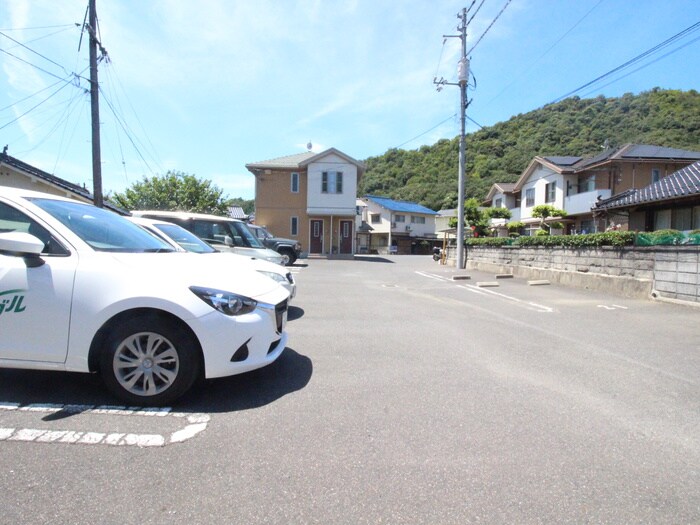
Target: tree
{"x": 543, "y": 212}
{"x": 474, "y": 218}
{"x": 174, "y": 191}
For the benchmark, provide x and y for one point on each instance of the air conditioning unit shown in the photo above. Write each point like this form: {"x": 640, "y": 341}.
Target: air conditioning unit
{"x": 408, "y": 228}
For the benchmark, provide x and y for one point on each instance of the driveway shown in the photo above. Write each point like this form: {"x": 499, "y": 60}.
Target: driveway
{"x": 404, "y": 396}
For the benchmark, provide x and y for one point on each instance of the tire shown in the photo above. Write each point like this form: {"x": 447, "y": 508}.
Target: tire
{"x": 288, "y": 257}
{"x": 149, "y": 361}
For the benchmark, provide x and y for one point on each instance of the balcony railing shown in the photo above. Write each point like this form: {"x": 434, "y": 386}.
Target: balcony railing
{"x": 583, "y": 202}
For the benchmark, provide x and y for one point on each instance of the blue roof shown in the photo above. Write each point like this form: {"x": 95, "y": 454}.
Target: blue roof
{"x": 408, "y": 207}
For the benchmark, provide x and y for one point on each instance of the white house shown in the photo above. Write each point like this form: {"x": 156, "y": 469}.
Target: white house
{"x": 397, "y": 226}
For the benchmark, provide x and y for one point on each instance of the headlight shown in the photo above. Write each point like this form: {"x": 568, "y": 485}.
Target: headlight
{"x": 297, "y": 246}
{"x": 225, "y": 302}
{"x": 274, "y": 276}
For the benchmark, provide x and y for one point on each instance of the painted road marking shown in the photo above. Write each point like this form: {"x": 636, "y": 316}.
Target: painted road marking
{"x": 195, "y": 423}
{"x": 527, "y": 304}
{"x": 613, "y": 307}
{"x": 484, "y": 291}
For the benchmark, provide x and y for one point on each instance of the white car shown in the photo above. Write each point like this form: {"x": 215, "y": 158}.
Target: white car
{"x": 182, "y": 239}
{"x": 83, "y": 289}
{"x": 224, "y": 233}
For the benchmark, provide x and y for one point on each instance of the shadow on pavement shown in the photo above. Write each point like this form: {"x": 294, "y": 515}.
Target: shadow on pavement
{"x": 291, "y": 372}
{"x": 373, "y": 259}
{"x": 294, "y": 313}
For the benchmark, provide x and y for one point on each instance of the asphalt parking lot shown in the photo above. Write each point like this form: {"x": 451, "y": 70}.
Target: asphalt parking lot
{"x": 404, "y": 396}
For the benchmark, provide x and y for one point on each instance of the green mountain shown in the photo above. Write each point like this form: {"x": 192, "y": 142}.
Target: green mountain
{"x": 500, "y": 153}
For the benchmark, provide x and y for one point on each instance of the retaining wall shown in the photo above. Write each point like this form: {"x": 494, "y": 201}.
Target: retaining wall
{"x": 670, "y": 272}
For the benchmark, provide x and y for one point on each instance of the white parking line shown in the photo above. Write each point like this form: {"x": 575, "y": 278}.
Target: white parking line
{"x": 483, "y": 291}
{"x": 534, "y": 306}
{"x": 196, "y": 423}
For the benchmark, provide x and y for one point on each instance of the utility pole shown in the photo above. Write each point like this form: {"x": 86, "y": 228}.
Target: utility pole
{"x": 463, "y": 78}
{"x": 95, "y": 107}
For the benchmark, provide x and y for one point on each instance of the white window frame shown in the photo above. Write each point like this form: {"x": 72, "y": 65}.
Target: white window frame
{"x": 332, "y": 182}
{"x": 294, "y": 226}
{"x": 529, "y": 197}
{"x": 655, "y": 175}
{"x": 375, "y": 218}
{"x": 294, "y": 182}
{"x": 550, "y": 192}
{"x": 399, "y": 218}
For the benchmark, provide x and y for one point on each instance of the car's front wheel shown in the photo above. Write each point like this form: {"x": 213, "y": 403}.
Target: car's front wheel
{"x": 288, "y": 257}
{"x": 149, "y": 361}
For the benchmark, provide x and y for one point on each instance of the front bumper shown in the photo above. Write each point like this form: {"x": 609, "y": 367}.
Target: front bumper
{"x": 238, "y": 344}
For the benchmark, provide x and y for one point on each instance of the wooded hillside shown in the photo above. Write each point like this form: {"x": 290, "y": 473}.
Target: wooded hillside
{"x": 500, "y": 153}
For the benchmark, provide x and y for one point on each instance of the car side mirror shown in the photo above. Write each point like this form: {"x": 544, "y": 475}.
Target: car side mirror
{"x": 25, "y": 245}
{"x": 228, "y": 241}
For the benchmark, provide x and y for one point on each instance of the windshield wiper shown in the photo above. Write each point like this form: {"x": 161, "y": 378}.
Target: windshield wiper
{"x": 158, "y": 250}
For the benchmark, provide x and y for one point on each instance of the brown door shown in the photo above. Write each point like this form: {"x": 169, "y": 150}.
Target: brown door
{"x": 345, "y": 236}
{"x": 316, "y": 243}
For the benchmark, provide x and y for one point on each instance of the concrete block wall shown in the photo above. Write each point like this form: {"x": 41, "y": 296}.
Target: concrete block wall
{"x": 670, "y": 272}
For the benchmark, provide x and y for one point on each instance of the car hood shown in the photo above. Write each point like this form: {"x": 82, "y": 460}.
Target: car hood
{"x": 191, "y": 269}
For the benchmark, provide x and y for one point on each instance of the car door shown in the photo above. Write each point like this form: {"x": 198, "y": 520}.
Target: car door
{"x": 35, "y": 302}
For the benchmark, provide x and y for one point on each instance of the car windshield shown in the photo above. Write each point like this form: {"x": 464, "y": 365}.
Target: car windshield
{"x": 103, "y": 230}
{"x": 184, "y": 238}
{"x": 241, "y": 231}
{"x": 262, "y": 233}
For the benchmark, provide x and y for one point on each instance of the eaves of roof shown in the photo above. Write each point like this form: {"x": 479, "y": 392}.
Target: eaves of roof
{"x": 301, "y": 160}
{"x": 63, "y": 184}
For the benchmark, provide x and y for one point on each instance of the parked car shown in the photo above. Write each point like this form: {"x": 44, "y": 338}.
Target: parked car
{"x": 184, "y": 240}
{"x": 83, "y": 289}
{"x": 289, "y": 249}
{"x": 223, "y": 233}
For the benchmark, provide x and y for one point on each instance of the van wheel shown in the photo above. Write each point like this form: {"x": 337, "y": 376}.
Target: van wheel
{"x": 149, "y": 361}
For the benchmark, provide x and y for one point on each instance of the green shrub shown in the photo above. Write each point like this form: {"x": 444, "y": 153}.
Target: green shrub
{"x": 515, "y": 226}
{"x": 488, "y": 241}
{"x": 612, "y": 238}
{"x": 541, "y": 233}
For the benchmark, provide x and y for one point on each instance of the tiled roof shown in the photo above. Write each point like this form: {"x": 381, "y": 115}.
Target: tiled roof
{"x": 289, "y": 161}
{"x": 641, "y": 152}
{"x": 403, "y": 206}
{"x": 299, "y": 160}
{"x": 56, "y": 181}
{"x": 680, "y": 184}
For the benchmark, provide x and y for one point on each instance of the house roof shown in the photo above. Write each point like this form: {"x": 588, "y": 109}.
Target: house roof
{"x": 563, "y": 161}
{"x": 680, "y": 184}
{"x": 237, "y": 212}
{"x": 500, "y": 187}
{"x": 403, "y": 206}
{"x": 628, "y": 153}
{"x": 301, "y": 160}
{"x": 52, "y": 180}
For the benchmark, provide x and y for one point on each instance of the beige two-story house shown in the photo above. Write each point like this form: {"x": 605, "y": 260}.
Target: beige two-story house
{"x": 309, "y": 197}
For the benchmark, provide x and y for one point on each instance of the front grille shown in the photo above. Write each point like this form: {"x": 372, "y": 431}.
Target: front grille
{"x": 280, "y": 314}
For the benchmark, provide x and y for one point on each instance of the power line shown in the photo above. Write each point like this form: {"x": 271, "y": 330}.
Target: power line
{"x": 36, "y": 106}
{"x": 489, "y": 27}
{"x": 35, "y": 52}
{"x": 639, "y": 57}
{"x": 427, "y": 131}
{"x": 519, "y": 75}
{"x": 643, "y": 66}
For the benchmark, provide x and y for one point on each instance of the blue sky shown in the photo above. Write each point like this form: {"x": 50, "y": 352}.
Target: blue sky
{"x": 205, "y": 87}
